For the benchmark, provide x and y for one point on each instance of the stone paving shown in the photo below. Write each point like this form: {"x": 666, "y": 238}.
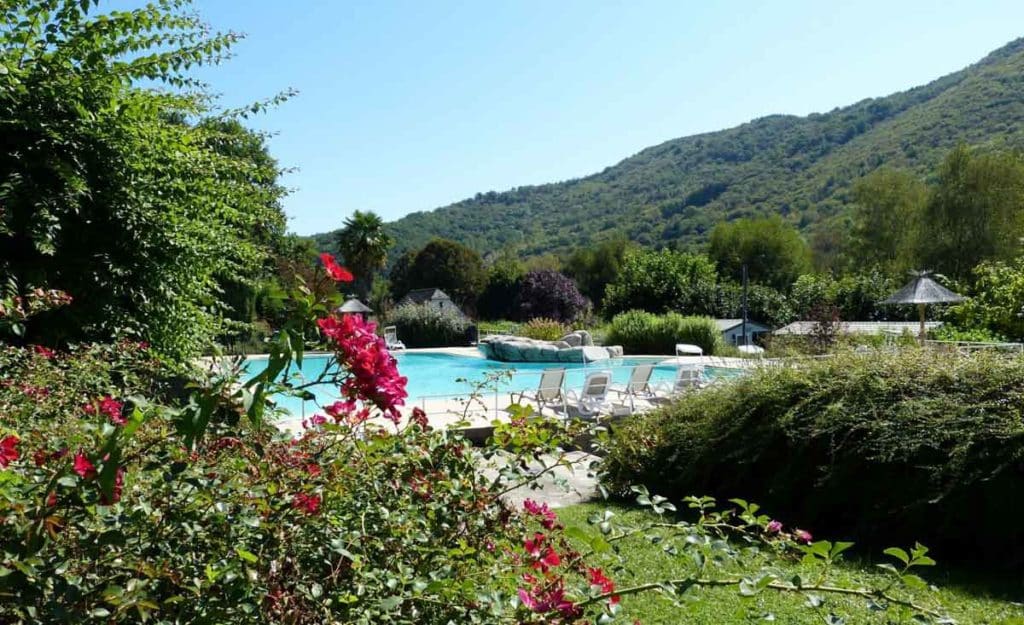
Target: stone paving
{"x": 560, "y": 487}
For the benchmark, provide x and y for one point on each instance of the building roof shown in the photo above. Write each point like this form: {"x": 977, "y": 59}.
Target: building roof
{"x": 422, "y": 296}
{"x": 803, "y": 328}
{"x": 923, "y": 290}
{"x": 724, "y": 325}
{"x": 353, "y": 306}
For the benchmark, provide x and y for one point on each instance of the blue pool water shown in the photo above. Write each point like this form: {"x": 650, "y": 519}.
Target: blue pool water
{"x": 435, "y": 374}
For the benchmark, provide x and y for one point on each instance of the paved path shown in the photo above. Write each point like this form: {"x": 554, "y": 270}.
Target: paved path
{"x": 558, "y": 488}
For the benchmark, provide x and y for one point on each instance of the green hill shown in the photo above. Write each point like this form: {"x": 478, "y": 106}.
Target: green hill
{"x": 799, "y": 167}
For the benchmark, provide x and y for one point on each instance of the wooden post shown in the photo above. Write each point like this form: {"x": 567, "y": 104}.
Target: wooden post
{"x": 920, "y": 308}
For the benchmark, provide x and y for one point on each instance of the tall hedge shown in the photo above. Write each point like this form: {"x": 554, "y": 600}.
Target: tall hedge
{"x": 878, "y": 448}
{"x": 423, "y": 326}
{"x": 640, "y": 332}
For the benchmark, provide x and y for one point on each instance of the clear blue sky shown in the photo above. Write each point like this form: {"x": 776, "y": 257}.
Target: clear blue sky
{"x": 407, "y": 106}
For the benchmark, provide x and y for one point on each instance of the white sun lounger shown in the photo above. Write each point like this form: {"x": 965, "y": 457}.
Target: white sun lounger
{"x": 391, "y": 339}
{"x": 549, "y": 391}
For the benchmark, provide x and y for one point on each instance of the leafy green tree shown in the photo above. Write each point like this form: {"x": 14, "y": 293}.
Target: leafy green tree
{"x": 996, "y": 304}
{"x": 975, "y": 214}
{"x": 363, "y": 244}
{"x": 452, "y": 267}
{"x": 499, "y": 295}
{"x": 109, "y": 190}
{"x": 594, "y": 268}
{"x": 663, "y": 281}
{"x": 886, "y": 215}
{"x": 773, "y": 251}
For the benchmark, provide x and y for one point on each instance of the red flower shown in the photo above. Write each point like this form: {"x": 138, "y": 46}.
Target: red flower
{"x": 544, "y": 557}
{"x": 310, "y": 504}
{"x": 597, "y": 578}
{"x": 548, "y": 600}
{"x": 112, "y": 408}
{"x": 419, "y": 417}
{"x": 547, "y": 518}
{"x": 313, "y": 469}
{"x": 51, "y": 499}
{"x": 334, "y": 270}
{"x": 802, "y": 536}
{"x": 45, "y": 352}
{"x": 8, "y": 450}
{"x": 83, "y": 467}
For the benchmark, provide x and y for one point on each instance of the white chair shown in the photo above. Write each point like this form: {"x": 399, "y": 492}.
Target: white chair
{"x": 686, "y": 349}
{"x": 689, "y": 377}
{"x": 593, "y": 398}
{"x": 549, "y": 391}
{"x": 391, "y": 339}
{"x": 639, "y": 385}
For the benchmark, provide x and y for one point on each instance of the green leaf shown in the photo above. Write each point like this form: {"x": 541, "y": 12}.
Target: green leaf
{"x": 248, "y": 556}
{"x": 898, "y": 553}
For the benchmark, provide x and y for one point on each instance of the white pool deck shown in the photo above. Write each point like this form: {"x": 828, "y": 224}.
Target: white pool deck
{"x": 477, "y": 416}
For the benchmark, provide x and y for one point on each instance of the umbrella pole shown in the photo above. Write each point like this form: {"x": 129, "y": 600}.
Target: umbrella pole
{"x": 920, "y": 308}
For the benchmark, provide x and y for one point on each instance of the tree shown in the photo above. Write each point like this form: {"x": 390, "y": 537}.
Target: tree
{"x": 549, "y": 294}
{"x": 976, "y": 212}
{"x": 594, "y": 268}
{"x": 773, "y": 251}
{"x": 110, "y": 189}
{"x": 363, "y": 244}
{"x": 452, "y": 267}
{"x": 886, "y": 215}
{"x": 663, "y": 281}
{"x": 503, "y": 281}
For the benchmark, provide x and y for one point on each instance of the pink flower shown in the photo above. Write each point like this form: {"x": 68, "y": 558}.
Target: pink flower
{"x": 334, "y": 270}
{"x": 802, "y": 536}
{"x": 310, "y": 504}
{"x": 773, "y": 527}
{"x": 8, "y": 450}
{"x": 83, "y": 467}
{"x": 547, "y": 518}
{"x": 551, "y": 600}
{"x": 112, "y": 408}
{"x": 544, "y": 557}
{"x": 373, "y": 372}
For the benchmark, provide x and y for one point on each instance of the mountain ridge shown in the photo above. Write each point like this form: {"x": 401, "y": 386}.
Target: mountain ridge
{"x": 800, "y": 167}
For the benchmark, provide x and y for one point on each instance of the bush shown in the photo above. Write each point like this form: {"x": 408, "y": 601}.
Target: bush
{"x": 640, "y": 332}
{"x": 423, "y": 326}
{"x": 549, "y": 294}
{"x": 543, "y": 329}
{"x": 907, "y": 444}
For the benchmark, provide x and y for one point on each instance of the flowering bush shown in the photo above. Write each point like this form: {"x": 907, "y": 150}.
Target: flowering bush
{"x": 423, "y": 326}
{"x": 119, "y": 508}
{"x": 549, "y": 294}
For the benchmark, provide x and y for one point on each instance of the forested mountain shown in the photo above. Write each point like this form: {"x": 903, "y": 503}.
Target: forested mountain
{"x": 799, "y": 167}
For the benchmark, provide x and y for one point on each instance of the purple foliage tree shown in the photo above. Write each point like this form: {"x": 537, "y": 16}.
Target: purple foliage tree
{"x": 548, "y": 293}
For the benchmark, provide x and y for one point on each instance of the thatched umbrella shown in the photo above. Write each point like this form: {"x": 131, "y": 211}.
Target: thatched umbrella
{"x": 353, "y": 306}
{"x": 922, "y": 290}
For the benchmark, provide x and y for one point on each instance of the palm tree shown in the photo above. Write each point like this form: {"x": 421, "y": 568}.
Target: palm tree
{"x": 364, "y": 246}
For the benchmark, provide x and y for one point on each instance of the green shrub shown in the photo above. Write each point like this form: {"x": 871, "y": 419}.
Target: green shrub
{"x": 423, "y": 326}
{"x": 640, "y": 332}
{"x": 914, "y": 443}
{"x": 543, "y": 329}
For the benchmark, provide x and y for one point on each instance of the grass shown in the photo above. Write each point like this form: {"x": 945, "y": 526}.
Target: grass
{"x": 967, "y": 599}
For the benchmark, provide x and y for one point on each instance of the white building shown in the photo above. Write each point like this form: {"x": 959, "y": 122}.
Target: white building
{"x": 732, "y": 331}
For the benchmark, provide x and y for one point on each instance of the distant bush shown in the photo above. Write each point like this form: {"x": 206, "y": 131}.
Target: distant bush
{"x": 423, "y": 326}
{"x": 663, "y": 281}
{"x": 543, "y": 329}
{"x": 640, "y": 332}
{"x": 549, "y": 294}
{"x": 878, "y": 448}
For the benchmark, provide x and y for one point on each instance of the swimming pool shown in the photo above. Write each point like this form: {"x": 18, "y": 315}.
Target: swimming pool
{"x": 433, "y": 375}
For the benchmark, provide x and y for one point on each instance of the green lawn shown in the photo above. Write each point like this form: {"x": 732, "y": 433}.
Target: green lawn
{"x": 969, "y": 601}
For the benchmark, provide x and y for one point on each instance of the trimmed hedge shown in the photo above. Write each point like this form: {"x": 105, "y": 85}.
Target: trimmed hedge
{"x": 423, "y": 326}
{"x": 642, "y": 332}
{"x": 880, "y": 448}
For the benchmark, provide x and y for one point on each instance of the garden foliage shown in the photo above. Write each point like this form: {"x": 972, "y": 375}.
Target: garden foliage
{"x": 424, "y": 326}
{"x": 663, "y": 281}
{"x": 112, "y": 190}
{"x": 874, "y": 447}
{"x": 549, "y": 294}
{"x": 640, "y": 332}
{"x": 543, "y": 329}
